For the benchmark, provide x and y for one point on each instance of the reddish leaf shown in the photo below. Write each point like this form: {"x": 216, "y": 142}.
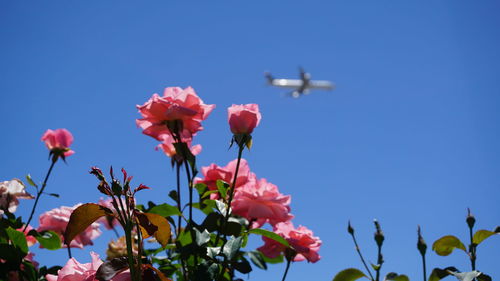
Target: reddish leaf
{"x": 154, "y": 225}
{"x": 158, "y": 272}
{"x": 110, "y": 269}
{"x": 82, "y": 217}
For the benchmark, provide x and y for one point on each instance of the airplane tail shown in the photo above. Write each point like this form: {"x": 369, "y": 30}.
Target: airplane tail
{"x": 269, "y": 78}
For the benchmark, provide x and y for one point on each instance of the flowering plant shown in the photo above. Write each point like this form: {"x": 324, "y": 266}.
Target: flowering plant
{"x": 233, "y": 202}
{"x": 202, "y": 237}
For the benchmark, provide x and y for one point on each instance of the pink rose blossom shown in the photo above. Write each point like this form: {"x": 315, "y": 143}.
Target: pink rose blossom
{"x": 57, "y": 220}
{"x": 76, "y": 271}
{"x": 176, "y": 104}
{"x": 243, "y": 118}
{"x": 301, "y": 239}
{"x": 10, "y": 192}
{"x": 167, "y": 146}
{"x": 213, "y": 173}
{"x": 262, "y": 202}
{"x": 58, "y": 140}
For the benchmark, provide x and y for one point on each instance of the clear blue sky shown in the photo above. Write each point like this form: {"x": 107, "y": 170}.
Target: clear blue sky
{"x": 410, "y": 136}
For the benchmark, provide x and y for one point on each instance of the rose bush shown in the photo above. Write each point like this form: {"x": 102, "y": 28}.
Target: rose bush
{"x": 160, "y": 240}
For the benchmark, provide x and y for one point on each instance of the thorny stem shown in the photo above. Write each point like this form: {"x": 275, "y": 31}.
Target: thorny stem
{"x": 190, "y": 187}
{"x": 139, "y": 249}
{"x": 361, "y": 256}
{"x": 130, "y": 254}
{"x": 39, "y": 193}
{"x": 379, "y": 262}
{"x": 231, "y": 192}
{"x": 423, "y": 264}
{"x": 472, "y": 250}
{"x": 178, "y": 174}
{"x": 179, "y": 220}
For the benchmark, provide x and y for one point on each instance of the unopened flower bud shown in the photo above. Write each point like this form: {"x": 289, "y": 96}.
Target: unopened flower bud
{"x": 97, "y": 172}
{"x": 471, "y": 220}
{"x": 349, "y": 228}
{"x": 379, "y": 235}
{"x": 421, "y": 245}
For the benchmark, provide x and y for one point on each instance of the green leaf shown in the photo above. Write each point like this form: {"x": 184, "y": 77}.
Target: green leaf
{"x": 48, "y": 239}
{"x": 28, "y": 271}
{"x": 481, "y": 235}
{"x": 18, "y": 239}
{"x": 257, "y": 259}
{"x": 10, "y": 253}
{"x": 30, "y": 180}
{"x": 243, "y": 266}
{"x": 484, "y": 277}
{"x": 173, "y": 194}
{"x": 232, "y": 229}
{"x": 213, "y": 251}
{"x": 393, "y": 276}
{"x": 375, "y": 266}
{"x": 270, "y": 235}
{"x": 278, "y": 259}
{"x": 211, "y": 222}
{"x": 349, "y": 274}
{"x": 446, "y": 244}
{"x": 231, "y": 247}
{"x": 221, "y": 206}
{"x": 165, "y": 210}
{"x": 201, "y": 187}
{"x": 184, "y": 238}
{"x": 222, "y": 187}
{"x": 202, "y": 237}
{"x": 438, "y": 273}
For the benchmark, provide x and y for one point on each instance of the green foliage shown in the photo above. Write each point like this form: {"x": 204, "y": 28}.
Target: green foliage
{"x": 232, "y": 247}
{"x": 349, "y": 274}
{"x": 165, "y": 210}
{"x": 446, "y": 244}
{"x": 18, "y": 240}
{"x": 482, "y": 235}
{"x": 222, "y": 187}
{"x": 393, "y": 276}
{"x": 48, "y": 239}
{"x": 270, "y": 235}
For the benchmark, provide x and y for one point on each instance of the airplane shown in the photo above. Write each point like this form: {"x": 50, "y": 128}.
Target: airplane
{"x": 302, "y": 86}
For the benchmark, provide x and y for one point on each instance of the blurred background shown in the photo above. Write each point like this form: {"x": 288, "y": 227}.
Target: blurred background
{"x": 409, "y": 137}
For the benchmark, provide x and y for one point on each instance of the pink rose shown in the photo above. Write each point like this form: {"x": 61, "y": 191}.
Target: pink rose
{"x": 213, "y": 173}
{"x": 261, "y": 202}
{"x": 57, "y": 220}
{"x": 301, "y": 239}
{"x": 76, "y": 271}
{"x": 243, "y": 118}
{"x": 176, "y": 104}
{"x": 10, "y": 192}
{"x": 58, "y": 141}
{"x": 167, "y": 146}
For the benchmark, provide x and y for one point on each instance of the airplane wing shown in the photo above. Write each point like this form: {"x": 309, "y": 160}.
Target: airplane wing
{"x": 287, "y": 83}
{"x": 321, "y": 84}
